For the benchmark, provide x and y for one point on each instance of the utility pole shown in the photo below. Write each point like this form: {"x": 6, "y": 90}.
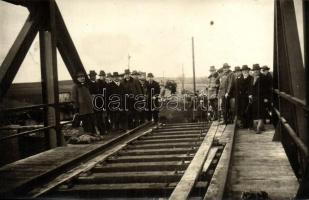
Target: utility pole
{"x": 193, "y": 65}
{"x": 194, "y": 88}
{"x": 183, "y": 80}
{"x": 129, "y": 57}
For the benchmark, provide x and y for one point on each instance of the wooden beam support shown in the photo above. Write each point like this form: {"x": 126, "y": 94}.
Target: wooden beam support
{"x": 18, "y": 51}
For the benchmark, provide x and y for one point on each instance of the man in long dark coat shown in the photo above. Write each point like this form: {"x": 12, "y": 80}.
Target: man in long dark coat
{"x": 245, "y": 92}
{"x": 235, "y": 93}
{"x": 224, "y": 90}
{"x": 116, "y": 103}
{"x": 212, "y": 91}
{"x": 101, "y": 102}
{"x": 153, "y": 91}
{"x": 268, "y": 86}
{"x": 93, "y": 85}
{"x": 143, "y": 82}
{"x": 258, "y": 93}
{"x": 137, "y": 114}
{"x": 132, "y": 88}
{"x": 82, "y": 102}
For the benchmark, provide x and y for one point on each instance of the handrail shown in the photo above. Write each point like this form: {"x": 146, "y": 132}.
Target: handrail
{"x": 35, "y": 130}
{"x": 292, "y": 133}
{"x": 26, "y": 133}
{"x": 292, "y": 99}
{"x": 32, "y": 131}
{"x": 34, "y": 107}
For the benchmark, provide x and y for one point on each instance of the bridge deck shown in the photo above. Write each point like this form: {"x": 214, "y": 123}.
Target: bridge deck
{"x": 259, "y": 164}
{"x": 18, "y": 175}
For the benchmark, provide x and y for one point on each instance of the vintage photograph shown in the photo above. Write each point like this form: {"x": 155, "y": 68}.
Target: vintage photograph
{"x": 156, "y": 99}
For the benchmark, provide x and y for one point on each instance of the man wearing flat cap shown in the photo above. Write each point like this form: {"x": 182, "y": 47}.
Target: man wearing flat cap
{"x": 153, "y": 91}
{"x": 212, "y": 91}
{"x": 224, "y": 91}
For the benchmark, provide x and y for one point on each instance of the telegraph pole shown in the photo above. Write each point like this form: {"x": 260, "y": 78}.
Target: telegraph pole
{"x": 193, "y": 65}
{"x": 129, "y": 57}
{"x": 194, "y": 88}
{"x": 183, "y": 80}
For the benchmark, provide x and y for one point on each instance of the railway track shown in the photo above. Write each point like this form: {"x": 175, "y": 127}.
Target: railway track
{"x": 167, "y": 161}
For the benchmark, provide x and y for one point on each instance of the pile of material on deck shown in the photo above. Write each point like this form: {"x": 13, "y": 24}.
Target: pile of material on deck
{"x": 78, "y": 136}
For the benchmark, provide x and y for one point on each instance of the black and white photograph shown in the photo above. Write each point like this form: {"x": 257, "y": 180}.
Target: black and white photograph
{"x": 154, "y": 99}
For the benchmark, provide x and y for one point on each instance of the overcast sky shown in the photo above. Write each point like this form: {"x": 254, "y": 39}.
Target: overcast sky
{"x": 156, "y": 33}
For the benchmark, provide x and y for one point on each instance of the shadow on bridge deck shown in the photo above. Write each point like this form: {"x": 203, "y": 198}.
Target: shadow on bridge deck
{"x": 259, "y": 164}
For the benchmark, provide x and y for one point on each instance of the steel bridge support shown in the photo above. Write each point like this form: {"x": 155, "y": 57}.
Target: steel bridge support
{"x": 291, "y": 95}
{"x": 45, "y": 18}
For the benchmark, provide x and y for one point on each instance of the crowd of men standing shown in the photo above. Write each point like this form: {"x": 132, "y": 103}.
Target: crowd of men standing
{"x": 244, "y": 92}
{"x": 109, "y": 103}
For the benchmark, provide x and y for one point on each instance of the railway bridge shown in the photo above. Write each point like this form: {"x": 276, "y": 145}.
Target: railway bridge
{"x": 204, "y": 160}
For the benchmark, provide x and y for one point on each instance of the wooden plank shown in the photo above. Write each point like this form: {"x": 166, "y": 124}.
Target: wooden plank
{"x": 176, "y": 132}
{"x": 131, "y": 177}
{"x": 260, "y": 165}
{"x": 151, "y": 158}
{"x": 184, "y": 124}
{"x": 165, "y": 145}
{"x": 172, "y": 136}
{"x": 217, "y": 184}
{"x": 190, "y": 176}
{"x": 165, "y": 151}
{"x": 141, "y": 166}
{"x": 156, "y": 141}
{"x": 220, "y": 130}
{"x": 210, "y": 157}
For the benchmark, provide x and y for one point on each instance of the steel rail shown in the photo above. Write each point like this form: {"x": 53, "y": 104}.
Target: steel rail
{"x": 292, "y": 133}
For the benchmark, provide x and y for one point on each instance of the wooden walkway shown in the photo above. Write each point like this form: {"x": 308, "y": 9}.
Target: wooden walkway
{"x": 259, "y": 164}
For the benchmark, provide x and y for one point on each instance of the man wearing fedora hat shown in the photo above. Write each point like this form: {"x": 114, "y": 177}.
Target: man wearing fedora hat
{"x": 235, "y": 92}
{"x": 93, "y": 86}
{"x": 153, "y": 91}
{"x": 82, "y": 103}
{"x": 268, "y": 87}
{"x": 224, "y": 91}
{"x": 116, "y": 103}
{"x": 101, "y": 103}
{"x": 257, "y": 96}
{"x": 137, "y": 114}
{"x": 212, "y": 91}
{"x": 143, "y": 82}
{"x": 132, "y": 89}
{"x": 244, "y": 93}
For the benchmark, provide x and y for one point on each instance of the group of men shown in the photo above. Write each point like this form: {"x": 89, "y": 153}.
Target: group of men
{"x": 115, "y": 101}
{"x": 244, "y": 92}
